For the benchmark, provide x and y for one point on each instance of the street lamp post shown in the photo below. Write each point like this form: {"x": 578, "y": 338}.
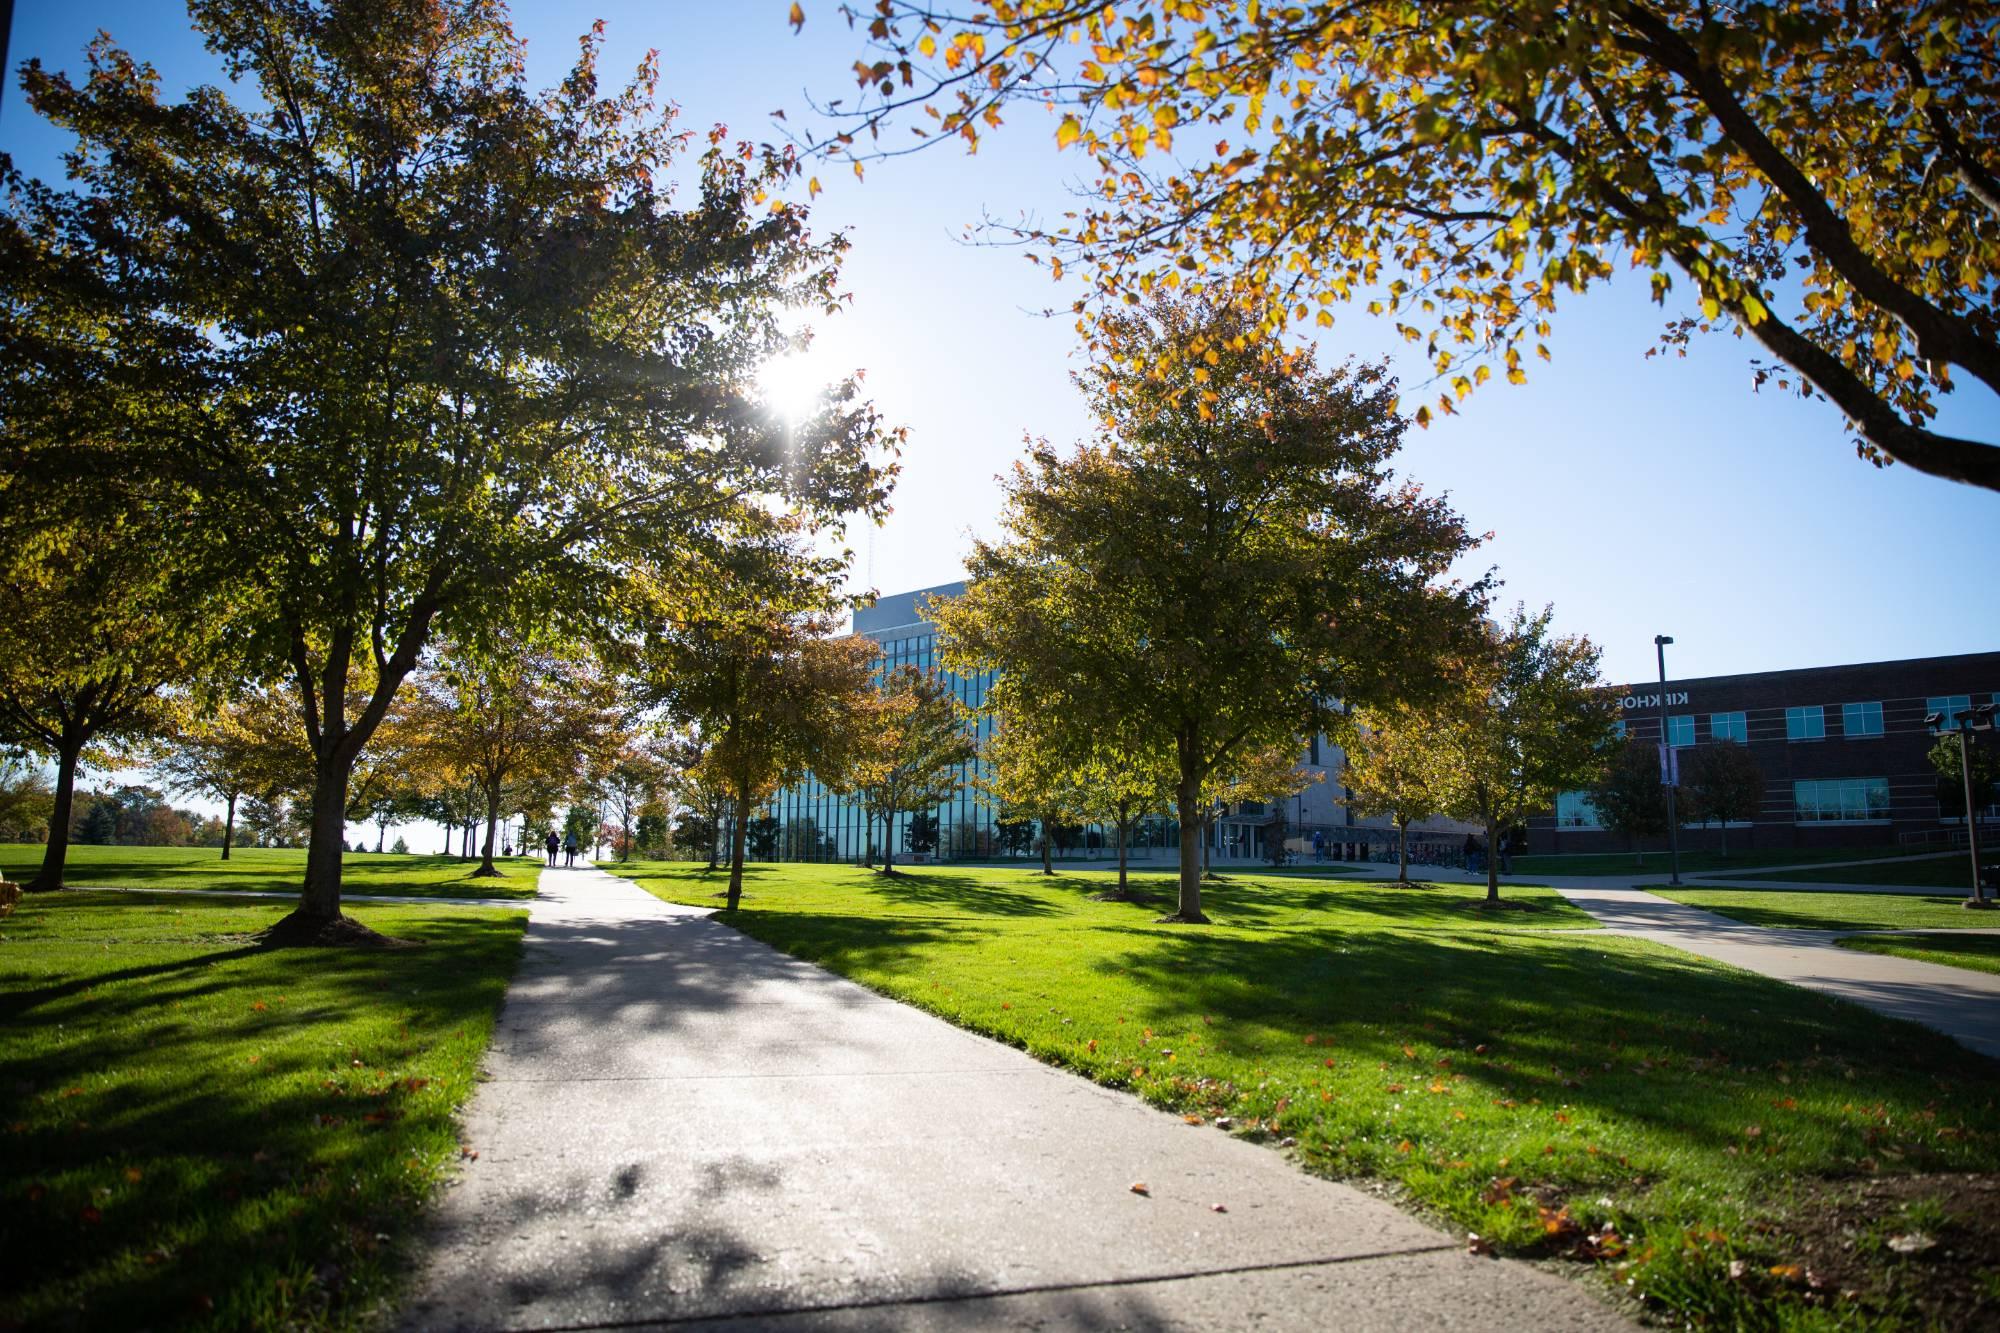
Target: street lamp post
{"x": 1966, "y": 722}
{"x": 1667, "y": 770}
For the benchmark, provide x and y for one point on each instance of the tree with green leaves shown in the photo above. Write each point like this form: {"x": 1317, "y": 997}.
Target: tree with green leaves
{"x": 1025, "y": 778}
{"x": 1529, "y": 718}
{"x": 1122, "y": 781}
{"x": 1628, "y": 796}
{"x": 99, "y": 628}
{"x": 438, "y": 346}
{"x": 1389, "y": 772}
{"x": 509, "y": 716}
{"x": 241, "y": 747}
{"x": 1230, "y": 556}
{"x": 1822, "y": 172}
{"x": 1720, "y": 783}
{"x": 25, "y": 796}
{"x": 919, "y": 745}
{"x": 1944, "y": 757}
{"x": 774, "y": 695}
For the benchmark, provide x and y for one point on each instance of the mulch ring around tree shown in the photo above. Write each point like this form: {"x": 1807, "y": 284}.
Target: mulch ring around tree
{"x": 1923, "y": 1248}
{"x": 297, "y": 931}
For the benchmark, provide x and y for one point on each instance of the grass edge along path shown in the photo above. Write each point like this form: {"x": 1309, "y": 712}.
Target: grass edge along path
{"x": 204, "y": 1133}
{"x": 1974, "y": 953}
{"x": 1806, "y": 908}
{"x": 1684, "y": 1127}
{"x": 275, "y": 870}
{"x": 1701, "y": 860}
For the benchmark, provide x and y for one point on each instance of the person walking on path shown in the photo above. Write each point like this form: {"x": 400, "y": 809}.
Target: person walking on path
{"x": 569, "y": 847}
{"x": 551, "y": 843}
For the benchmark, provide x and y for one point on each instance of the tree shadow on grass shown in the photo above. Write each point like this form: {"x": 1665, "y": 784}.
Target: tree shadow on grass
{"x": 1638, "y": 1032}
{"x": 963, "y": 893}
{"x": 242, "y": 1115}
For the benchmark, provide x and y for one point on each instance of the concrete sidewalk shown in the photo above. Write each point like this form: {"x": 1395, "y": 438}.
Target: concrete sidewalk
{"x": 1955, "y": 1001}
{"x": 682, "y": 1123}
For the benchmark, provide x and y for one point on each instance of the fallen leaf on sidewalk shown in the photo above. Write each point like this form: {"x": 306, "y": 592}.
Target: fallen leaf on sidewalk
{"x": 1478, "y": 1244}
{"x": 1139, "y": 1187}
{"x": 1217, "y": 1208}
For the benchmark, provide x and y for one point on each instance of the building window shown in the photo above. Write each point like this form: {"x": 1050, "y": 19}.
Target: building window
{"x": 1951, "y": 705}
{"x": 1729, "y": 727}
{"x": 1841, "y": 800}
{"x": 1805, "y": 724}
{"x": 1574, "y": 810}
{"x": 1861, "y": 719}
{"x": 1680, "y": 730}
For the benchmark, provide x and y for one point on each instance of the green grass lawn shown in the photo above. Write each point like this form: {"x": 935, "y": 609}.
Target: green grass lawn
{"x": 1532, "y": 1085}
{"x": 1931, "y": 872}
{"x": 272, "y": 869}
{"x": 203, "y": 1133}
{"x": 1693, "y": 860}
{"x": 1813, "y": 909}
{"x": 1981, "y": 953}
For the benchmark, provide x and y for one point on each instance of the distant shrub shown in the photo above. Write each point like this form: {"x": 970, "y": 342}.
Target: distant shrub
{"x": 401, "y": 848}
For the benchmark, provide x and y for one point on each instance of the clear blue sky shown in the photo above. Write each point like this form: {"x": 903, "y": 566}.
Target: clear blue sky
{"x": 1640, "y": 496}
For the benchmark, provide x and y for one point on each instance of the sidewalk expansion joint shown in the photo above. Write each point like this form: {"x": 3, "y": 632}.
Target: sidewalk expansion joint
{"x": 997, "y": 1293}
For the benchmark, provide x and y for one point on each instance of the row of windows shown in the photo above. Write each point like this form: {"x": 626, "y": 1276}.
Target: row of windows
{"x": 1807, "y": 722}
{"x": 1831, "y": 800}
{"x": 1840, "y": 800}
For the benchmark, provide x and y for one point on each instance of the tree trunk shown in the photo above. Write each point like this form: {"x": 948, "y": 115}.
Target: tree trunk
{"x": 381, "y": 834}
{"x": 1187, "y": 804}
{"x": 1048, "y": 851}
{"x": 1403, "y": 851}
{"x": 888, "y": 843}
{"x": 56, "y": 854}
{"x": 736, "y": 839}
{"x": 228, "y": 825}
{"x": 486, "y": 866}
{"x": 1492, "y": 861}
{"x": 319, "y": 900}
{"x": 1122, "y": 821}
{"x": 1722, "y": 829}
{"x": 449, "y": 829}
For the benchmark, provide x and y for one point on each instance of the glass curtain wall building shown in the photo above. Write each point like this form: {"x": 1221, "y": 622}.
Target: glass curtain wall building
{"x": 814, "y": 824}
{"x": 806, "y": 822}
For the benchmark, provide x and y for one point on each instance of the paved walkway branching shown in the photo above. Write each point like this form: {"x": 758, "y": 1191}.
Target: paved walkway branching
{"x": 684, "y": 1124}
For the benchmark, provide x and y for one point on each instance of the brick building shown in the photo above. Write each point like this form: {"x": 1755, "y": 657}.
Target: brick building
{"x": 1843, "y": 750}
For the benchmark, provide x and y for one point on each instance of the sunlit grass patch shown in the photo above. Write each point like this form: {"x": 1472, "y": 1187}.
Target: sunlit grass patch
{"x": 274, "y": 870}
{"x": 1558, "y": 1092}
{"x": 1980, "y": 953}
{"x": 201, "y": 1130}
{"x": 1814, "y": 909}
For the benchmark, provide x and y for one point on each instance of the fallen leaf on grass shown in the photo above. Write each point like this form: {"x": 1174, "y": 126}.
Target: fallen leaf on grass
{"x": 1915, "y": 1242}
{"x": 1557, "y": 1223}
{"x": 91, "y": 1215}
{"x": 133, "y": 1174}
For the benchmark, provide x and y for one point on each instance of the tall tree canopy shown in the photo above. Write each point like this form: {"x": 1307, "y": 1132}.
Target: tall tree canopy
{"x": 1227, "y": 560}
{"x": 1826, "y": 174}
{"x": 437, "y": 347}
{"x": 1530, "y": 719}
